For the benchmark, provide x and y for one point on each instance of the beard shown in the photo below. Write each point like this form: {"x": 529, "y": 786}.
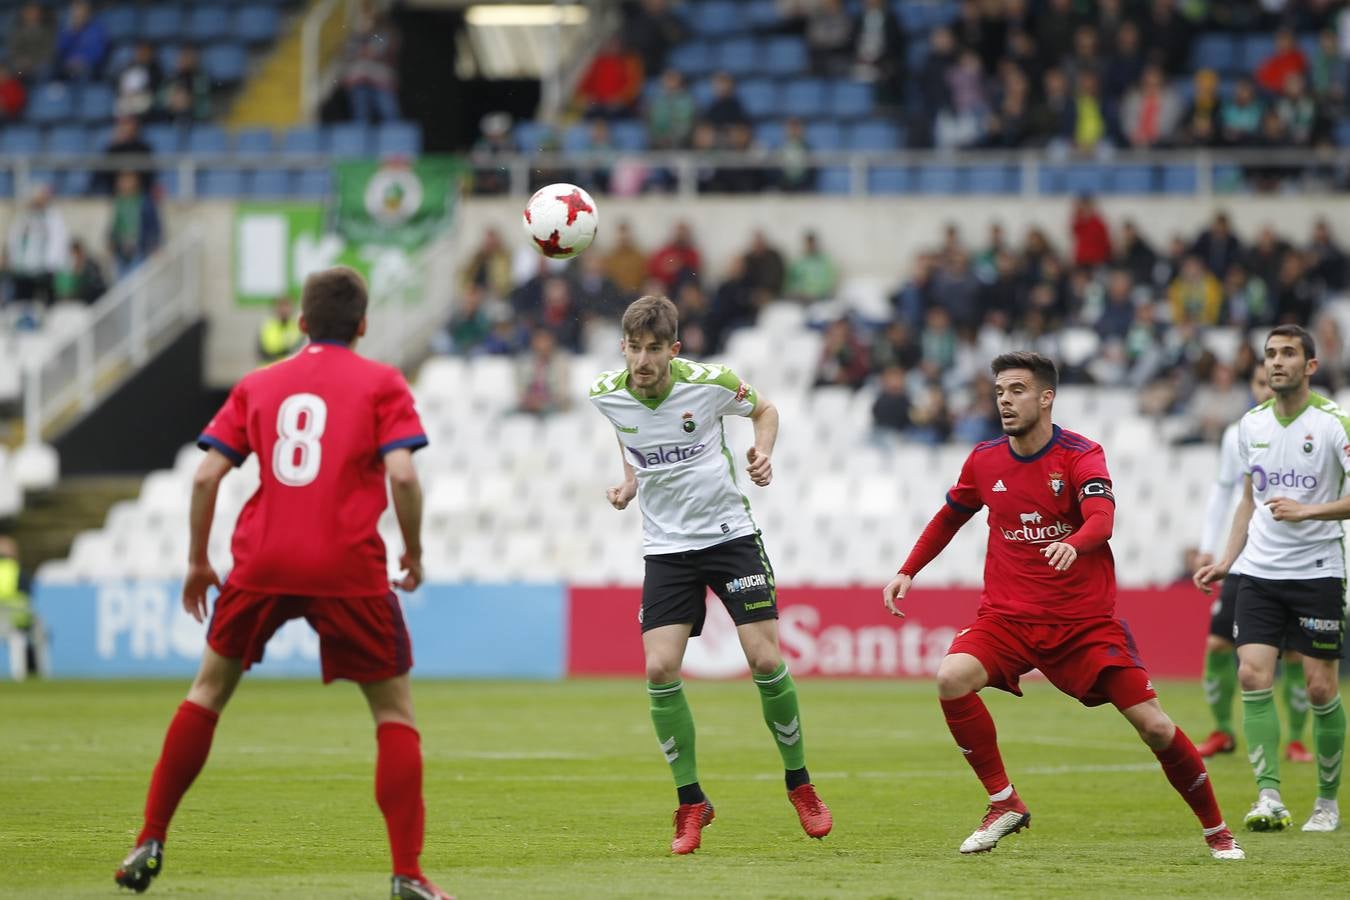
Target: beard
{"x": 1015, "y": 429}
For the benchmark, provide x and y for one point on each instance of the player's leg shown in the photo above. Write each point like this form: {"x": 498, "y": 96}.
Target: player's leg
{"x": 187, "y": 743}
{"x": 1260, "y": 627}
{"x": 1294, "y": 691}
{"x": 663, "y": 648}
{"x": 1328, "y": 740}
{"x": 1221, "y": 671}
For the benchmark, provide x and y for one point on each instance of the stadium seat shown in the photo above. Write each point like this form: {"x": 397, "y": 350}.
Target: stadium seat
{"x": 208, "y": 140}
{"x": 759, "y": 96}
{"x": 715, "y": 18}
{"x": 168, "y": 57}
{"x": 302, "y": 140}
{"x": 1050, "y": 180}
{"x": 939, "y": 180}
{"x": 1178, "y": 180}
{"x": 889, "y": 180}
{"x": 769, "y": 135}
{"x": 214, "y": 183}
{"x": 254, "y": 142}
{"x": 6, "y": 187}
{"x": 1084, "y": 179}
{"x": 314, "y": 183}
{"x": 51, "y": 102}
{"x": 532, "y": 136}
{"x": 163, "y": 139}
{"x": 693, "y": 58}
{"x": 783, "y": 56}
{"x": 1343, "y": 134}
{"x": 67, "y": 140}
{"x": 161, "y": 23}
{"x": 270, "y": 184}
{"x": 874, "y": 137}
{"x": 225, "y": 63}
{"x": 1131, "y": 180}
{"x": 167, "y": 180}
{"x": 739, "y": 56}
{"x": 401, "y": 139}
{"x": 761, "y": 14}
{"x": 94, "y": 103}
{"x": 824, "y": 136}
{"x": 992, "y": 179}
{"x": 257, "y": 24}
{"x": 348, "y": 140}
{"x": 75, "y": 183}
{"x": 629, "y": 135}
{"x": 1255, "y": 49}
{"x": 208, "y": 23}
{"x": 804, "y": 98}
{"x": 1217, "y": 51}
{"x": 122, "y": 23}
{"x": 20, "y": 140}
{"x": 850, "y": 99}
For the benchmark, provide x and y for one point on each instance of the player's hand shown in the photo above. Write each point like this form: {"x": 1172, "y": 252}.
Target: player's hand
{"x": 895, "y": 591}
{"x": 412, "y": 567}
{"x": 621, "y": 496}
{"x": 1060, "y": 555}
{"x": 760, "y": 469}
{"x": 1205, "y": 576}
{"x": 200, "y": 576}
{"x": 1286, "y": 510}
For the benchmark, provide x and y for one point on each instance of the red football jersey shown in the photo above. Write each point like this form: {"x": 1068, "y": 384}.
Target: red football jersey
{"x": 320, "y": 423}
{"x": 1034, "y": 501}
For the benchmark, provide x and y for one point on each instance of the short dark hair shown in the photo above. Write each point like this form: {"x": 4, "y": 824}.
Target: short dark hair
{"x": 654, "y": 315}
{"x": 334, "y": 303}
{"x": 1296, "y": 331}
{"x": 1042, "y": 367}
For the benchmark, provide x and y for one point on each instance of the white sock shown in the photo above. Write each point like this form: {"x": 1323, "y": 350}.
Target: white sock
{"x": 1330, "y": 806}
{"x": 1270, "y": 794}
{"x": 1001, "y": 795}
{"x": 1222, "y": 826}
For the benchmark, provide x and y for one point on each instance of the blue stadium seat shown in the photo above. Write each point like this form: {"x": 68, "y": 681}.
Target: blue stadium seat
{"x": 1228, "y": 180}
{"x": 6, "y": 183}
{"x": 875, "y": 136}
{"x": 257, "y": 24}
{"x": 401, "y": 139}
{"x": 913, "y": 17}
{"x": 577, "y": 138}
{"x": 939, "y": 180}
{"x": 532, "y": 136}
{"x": 1343, "y": 134}
{"x": 208, "y": 140}
{"x": 760, "y": 97}
{"x": 1255, "y": 49}
{"x": 1178, "y": 180}
{"x": 834, "y": 180}
{"x": 314, "y": 183}
{"x": 163, "y": 139}
{"x": 75, "y": 183}
{"x": 168, "y": 57}
{"x": 208, "y": 23}
{"x": 254, "y": 142}
{"x": 1051, "y": 180}
{"x": 850, "y": 99}
{"x": 1131, "y": 180}
{"x": 268, "y": 183}
{"x": 349, "y": 140}
{"x": 804, "y": 98}
{"x": 889, "y": 180}
{"x": 20, "y": 140}
{"x": 161, "y": 22}
{"x": 122, "y": 23}
{"x": 68, "y": 140}
{"x": 52, "y": 102}
{"x": 1217, "y": 51}
{"x": 167, "y": 181}
{"x": 991, "y": 180}
{"x": 302, "y": 140}
{"x": 629, "y": 135}
{"x": 824, "y": 136}
{"x": 1085, "y": 179}
{"x": 769, "y": 135}
{"x": 119, "y": 57}
{"x": 715, "y": 18}
{"x": 760, "y": 14}
{"x": 220, "y": 183}
{"x": 693, "y": 58}
{"x": 225, "y": 63}
{"x": 739, "y": 56}
{"x": 916, "y": 54}
{"x": 783, "y": 56}
{"x": 702, "y": 92}
{"x": 94, "y": 103}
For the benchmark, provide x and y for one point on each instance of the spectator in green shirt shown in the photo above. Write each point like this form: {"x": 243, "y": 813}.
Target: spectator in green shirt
{"x": 813, "y": 275}
{"x": 670, "y": 114}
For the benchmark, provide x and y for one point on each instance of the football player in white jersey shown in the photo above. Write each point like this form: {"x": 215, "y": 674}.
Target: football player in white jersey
{"x": 698, "y": 533}
{"x": 1287, "y": 539}
{"x": 1220, "y": 667}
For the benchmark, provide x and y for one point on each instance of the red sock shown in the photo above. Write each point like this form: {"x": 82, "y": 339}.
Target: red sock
{"x": 398, "y": 791}
{"x": 186, "y": 745}
{"x": 973, "y": 728}
{"x": 1186, "y": 770}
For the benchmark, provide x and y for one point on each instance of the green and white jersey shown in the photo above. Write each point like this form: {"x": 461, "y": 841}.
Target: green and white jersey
{"x": 677, "y": 445}
{"x": 1305, "y": 459}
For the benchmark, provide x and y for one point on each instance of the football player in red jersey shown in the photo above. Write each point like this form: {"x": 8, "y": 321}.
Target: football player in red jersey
{"x": 1048, "y": 601}
{"x": 328, "y": 427}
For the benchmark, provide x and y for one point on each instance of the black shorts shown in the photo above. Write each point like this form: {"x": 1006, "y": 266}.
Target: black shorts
{"x": 675, "y": 588}
{"x": 1307, "y": 615}
{"x": 1222, "y": 610}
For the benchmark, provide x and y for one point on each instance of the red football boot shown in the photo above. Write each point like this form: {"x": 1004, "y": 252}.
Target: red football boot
{"x": 1004, "y": 817}
{"x": 1217, "y": 742}
{"x": 811, "y": 810}
{"x": 1296, "y": 752}
{"x": 690, "y": 820}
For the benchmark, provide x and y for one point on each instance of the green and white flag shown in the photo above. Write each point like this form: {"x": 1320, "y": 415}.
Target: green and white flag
{"x": 398, "y": 202}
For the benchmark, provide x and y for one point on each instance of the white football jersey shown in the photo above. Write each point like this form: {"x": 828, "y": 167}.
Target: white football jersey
{"x": 677, "y": 445}
{"x": 1223, "y": 497}
{"x": 1305, "y": 459}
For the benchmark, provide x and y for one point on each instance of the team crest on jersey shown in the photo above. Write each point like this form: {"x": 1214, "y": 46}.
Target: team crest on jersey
{"x": 1057, "y": 483}
{"x": 690, "y": 426}
{"x": 742, "y": 392}
{"x": 1307, "y": 443}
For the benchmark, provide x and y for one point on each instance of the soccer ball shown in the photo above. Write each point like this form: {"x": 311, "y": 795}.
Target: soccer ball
{"x": 560, "y": 220}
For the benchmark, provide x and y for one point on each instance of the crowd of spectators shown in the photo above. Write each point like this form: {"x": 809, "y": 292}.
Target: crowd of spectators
{"x": 1147, "y": 315}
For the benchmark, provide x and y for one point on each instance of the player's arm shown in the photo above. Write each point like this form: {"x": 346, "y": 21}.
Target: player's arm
{"x": 1205, "y": 576}
{"x": 201, "y": 511}
{"x": 937, "y": 534}
{"x": 1096, "y": 504}
{"x": 621, "y": 495}
{"x": 1286, "y": 510}
{"x": 1227, "y": 482}
{"x": 406, "y": 491}
{"x": 764, "y": 417}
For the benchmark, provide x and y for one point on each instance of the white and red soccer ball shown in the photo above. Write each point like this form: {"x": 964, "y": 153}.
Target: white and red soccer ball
{"x": 560, "y": 220}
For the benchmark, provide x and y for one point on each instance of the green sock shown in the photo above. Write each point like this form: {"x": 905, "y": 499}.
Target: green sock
{"x": 1220, "y": 685}
{"x": 1329, "y": 736}
{"x": 1261, "y": 725}
{"x": 1295, "y": 691}
{"x": 674, "y": 729}
{"x": 778, "y": 696}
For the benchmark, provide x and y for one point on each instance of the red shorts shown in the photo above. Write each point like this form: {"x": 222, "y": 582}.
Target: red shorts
{"x": 363, "y": 639}
{"x": 1072, "y": 655}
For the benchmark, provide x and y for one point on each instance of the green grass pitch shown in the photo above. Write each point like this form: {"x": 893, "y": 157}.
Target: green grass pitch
{"x": 557, "y": 790}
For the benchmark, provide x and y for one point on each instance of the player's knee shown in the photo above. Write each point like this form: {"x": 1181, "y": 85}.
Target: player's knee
{"x": 1253, "y": 677}
{"x": 1215, "y": 644}
{"x": 1157, "y": 731}
{"x": 956, "y": 680}
{"x": 661, "y": 670}
{"x": 765, "y": 661}
{"x": 1322, "y": 689}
